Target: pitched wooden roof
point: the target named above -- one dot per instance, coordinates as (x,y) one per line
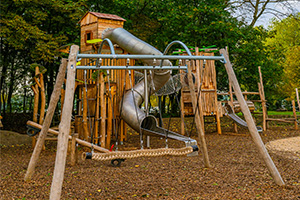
(104,16)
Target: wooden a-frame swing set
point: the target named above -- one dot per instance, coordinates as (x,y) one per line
(64,127)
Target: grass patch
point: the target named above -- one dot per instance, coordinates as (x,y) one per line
(280,112)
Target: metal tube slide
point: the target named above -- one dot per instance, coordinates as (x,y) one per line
(130,112)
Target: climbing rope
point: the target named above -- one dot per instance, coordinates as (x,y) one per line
(140,153)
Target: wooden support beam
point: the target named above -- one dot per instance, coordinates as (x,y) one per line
(84,115)
(297,96)
(228,93)
(182,114)
(250,122)
(73,149)
(62,98)
(263,100)
(103,112)
(199,71)
(287,120)
(79,141)
(36,103)
(50,112)
(295,115)
(64,127)
(43,99)
(200,129)
(37,80)
(235,128)
(50,139)
(182,128)
(122,132)
(97,117)
(109,118)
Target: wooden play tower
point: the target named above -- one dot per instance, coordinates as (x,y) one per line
(98,98)
(206,82)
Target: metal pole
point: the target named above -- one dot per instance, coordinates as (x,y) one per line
(145,57)
(133,67)
(146,92)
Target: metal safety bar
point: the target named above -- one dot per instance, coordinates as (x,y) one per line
(132,67)
(168,57)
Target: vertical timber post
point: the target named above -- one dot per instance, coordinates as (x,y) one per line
(200,129)
(263,100)
(73,149)
(251,125)
(36,90)
(235,128)
(295,114)
(103,112)
(64,127)
(297,95)
(52,105)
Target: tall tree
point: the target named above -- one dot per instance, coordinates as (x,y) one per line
(33,30)
(251,10)
(284,44)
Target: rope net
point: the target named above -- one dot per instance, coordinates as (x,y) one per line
(174,84)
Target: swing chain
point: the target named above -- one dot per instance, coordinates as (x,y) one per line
(99,63)
(92,148)
(179,62)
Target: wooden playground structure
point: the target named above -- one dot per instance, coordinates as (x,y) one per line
(99,93)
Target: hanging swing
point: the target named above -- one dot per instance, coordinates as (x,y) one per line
(117,157)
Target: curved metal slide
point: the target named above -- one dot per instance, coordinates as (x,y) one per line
(230,113)
(130,111)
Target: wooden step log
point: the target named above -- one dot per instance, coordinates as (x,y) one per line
(287,120)
(237,107)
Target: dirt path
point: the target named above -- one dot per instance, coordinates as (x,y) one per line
(287,145)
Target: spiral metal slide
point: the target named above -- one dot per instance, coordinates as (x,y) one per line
(130,111)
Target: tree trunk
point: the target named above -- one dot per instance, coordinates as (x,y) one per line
(10,89)
(2,80)
(3,100)
(24,97)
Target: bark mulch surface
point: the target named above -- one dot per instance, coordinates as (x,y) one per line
(237,171)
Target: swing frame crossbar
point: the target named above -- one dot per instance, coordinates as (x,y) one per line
(162,57)
(159,57)
(154,57)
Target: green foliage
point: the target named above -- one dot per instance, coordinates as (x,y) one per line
(250,54)
(40,27)
(197,23)
(284,45)
(34,32)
